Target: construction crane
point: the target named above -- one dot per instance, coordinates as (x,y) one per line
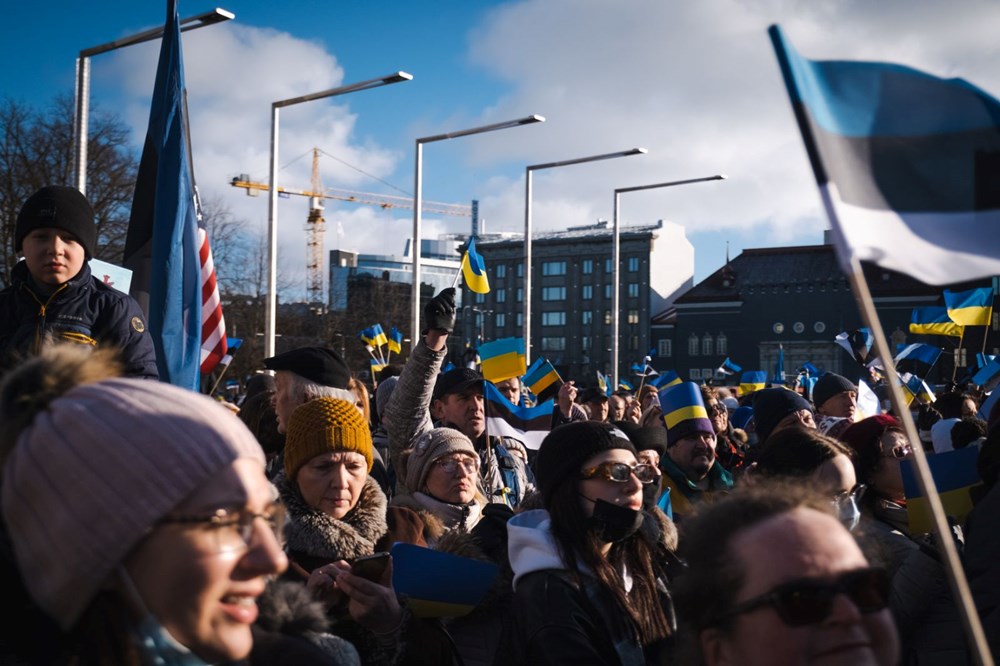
(316,225)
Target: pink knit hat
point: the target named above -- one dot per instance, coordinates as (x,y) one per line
(96,469)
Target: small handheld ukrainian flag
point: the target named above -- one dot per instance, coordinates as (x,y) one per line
(396,340)
(474,270)
(753,380)
(970,308)
(933,320)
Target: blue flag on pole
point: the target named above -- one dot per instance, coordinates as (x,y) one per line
(161,247)
(907,164)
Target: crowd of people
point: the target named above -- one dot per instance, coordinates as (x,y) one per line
(147,524)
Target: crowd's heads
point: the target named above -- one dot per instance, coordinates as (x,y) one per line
(650,441)
(806,454)
(774,408)
(567,447)
(93,462)
(58,207)
(880,444)
(457,381)
(511,389)
(458,401)
(325,425)
(427,449)
(830,388)
(596,401)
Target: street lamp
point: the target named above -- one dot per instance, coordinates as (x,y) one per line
(526,316)
(616,261)
(272,214)
(418,202)
(81,116)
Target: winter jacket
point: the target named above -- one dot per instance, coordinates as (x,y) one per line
(982,563)
(684,494)
(83,310)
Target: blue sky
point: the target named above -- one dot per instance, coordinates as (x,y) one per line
(694,82)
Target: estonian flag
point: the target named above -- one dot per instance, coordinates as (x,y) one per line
(858,344)
(753,380)
(970,308)
(988,376)
(529,425)
(729,368)
(502,359)
(933,320)
(917,359)
(908,164)
(474,270)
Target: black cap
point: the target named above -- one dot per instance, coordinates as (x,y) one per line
(456,380)
(592,393)
(830,385)
(645,437)
(58,207)
(317,364)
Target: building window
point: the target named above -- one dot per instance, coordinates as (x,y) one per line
(721,344)
(554,294)
(520,294)
(633,264)
(500,320)
(693,345)
(633,290)
(587,292)
(554,268)
(665,348)
(633,316)
(607,291)
(500,270)
(607,317)
(588,266)
(694,373)
(607,265)
(501,295)
(585,342)
(520,319)
(633,342)
(553,319)
(586,317)
(706,345)
(553,344)
(520,269)
(960,358)
(480,298)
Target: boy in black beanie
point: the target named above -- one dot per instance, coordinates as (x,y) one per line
(54,298)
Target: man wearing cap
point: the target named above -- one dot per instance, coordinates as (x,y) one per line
(778,408)
(836,399)
(454,399)
(54,298)
(690,471)
(596,403)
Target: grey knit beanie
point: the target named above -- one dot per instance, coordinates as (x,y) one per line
(430,446)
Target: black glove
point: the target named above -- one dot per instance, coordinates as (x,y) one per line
(927,416)
(439,313)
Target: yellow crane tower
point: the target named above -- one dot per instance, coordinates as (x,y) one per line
(315,224)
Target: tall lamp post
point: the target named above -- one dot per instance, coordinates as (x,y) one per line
(526,315)
(418,204)
(272,214)
(81,115)
(616,261)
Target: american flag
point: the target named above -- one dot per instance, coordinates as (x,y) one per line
(213,326)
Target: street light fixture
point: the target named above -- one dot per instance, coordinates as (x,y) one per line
(526,316)
(418,203)
(272,214)
(616,261)
(81,116)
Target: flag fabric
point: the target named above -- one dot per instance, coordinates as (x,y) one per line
(395,340)
(448,367)
(213,325)
(644,370)
(602,383)
(161,247)
(753,380)
(987,406)
(529,425)
(378,335)
(367,336)
(439,584)
(624,385)
(779,366)
(954,474)
(810,369)
(502,359)
(915,388)
(917,359)
(989,376)
(729,368)
(232,344)
(867,402)
(905,162)
(933,320)
(542,379)
(858,344)
(682,403)
(970,308)
(666,379)
(474,270)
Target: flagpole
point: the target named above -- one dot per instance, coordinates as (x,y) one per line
(942,531)
(216,384)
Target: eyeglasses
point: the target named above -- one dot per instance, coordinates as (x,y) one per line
(449,465)
(621,473)
(717,408)
(898,452)
(810,601)
(231,531)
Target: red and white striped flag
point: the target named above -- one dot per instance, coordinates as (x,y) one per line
(213,326)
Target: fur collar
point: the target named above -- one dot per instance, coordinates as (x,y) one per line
(316,534)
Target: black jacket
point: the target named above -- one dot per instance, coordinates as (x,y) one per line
(83,310)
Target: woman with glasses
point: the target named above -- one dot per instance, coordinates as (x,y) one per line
(921,601)
(587,588)
(139,517)
(775,578)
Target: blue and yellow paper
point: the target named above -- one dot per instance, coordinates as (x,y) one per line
(502,359)
(439,584)
(474,270)
(954,473)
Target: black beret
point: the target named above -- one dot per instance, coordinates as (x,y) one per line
(317,364)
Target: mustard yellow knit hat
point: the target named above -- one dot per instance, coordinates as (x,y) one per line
(323,425)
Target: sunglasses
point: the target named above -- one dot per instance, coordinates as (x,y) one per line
(899,452)
(855,493)
(717,408)
(621,473)
(810,601)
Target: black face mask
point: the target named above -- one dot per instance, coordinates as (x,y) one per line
(612,523)
(650,493)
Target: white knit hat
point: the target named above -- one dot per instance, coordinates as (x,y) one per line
(94,472)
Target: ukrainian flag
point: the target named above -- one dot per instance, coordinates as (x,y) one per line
(666,380)
(933,320)
(682,403)
(502,359)
(367,336)
(970,308)
(439,584)
(474,270)
(542,379)
(954,474)
(753,380)
(378,335)
(396,340)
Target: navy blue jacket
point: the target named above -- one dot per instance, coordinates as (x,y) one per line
(83,310)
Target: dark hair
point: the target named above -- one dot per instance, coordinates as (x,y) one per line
(709,393)
(950,404)
(708,588)
(966,431)
(258,414)
(581,551)
(798,452)
(391,370)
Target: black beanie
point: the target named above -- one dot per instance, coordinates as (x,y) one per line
(58,207)
(645,437)
(567,447)
(773,404)
(830,385)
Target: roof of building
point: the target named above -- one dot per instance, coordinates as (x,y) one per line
(600,231)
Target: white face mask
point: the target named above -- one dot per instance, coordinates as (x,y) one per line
(848,511)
